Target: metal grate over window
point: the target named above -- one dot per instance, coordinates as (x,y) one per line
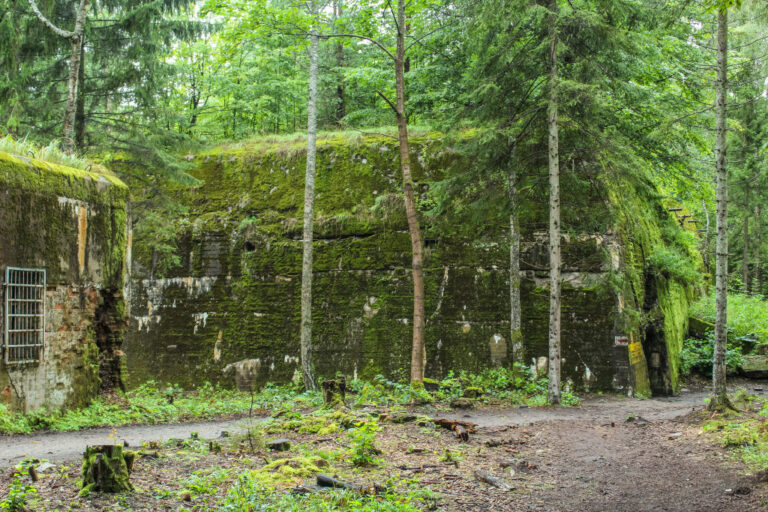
(24,336)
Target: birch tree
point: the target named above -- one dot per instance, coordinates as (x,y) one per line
(75,36)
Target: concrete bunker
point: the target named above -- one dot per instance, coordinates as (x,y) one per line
(63,239)
(233,298)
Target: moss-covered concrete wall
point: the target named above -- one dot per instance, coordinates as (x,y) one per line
(72,223)
(230,310)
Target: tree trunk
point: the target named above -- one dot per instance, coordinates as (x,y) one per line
(515,332)
(307,367)
(76,39)
(554,217)
(418,351)
(107,468)
(746,284)
(757,246)
(719,396)
(706,248)
(68,140)
(80,111)
(341,107)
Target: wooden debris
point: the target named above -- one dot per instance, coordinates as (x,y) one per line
(398,418)
(492,480)
(460,428)
(329,481)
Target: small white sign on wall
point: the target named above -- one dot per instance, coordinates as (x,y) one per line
(621,341)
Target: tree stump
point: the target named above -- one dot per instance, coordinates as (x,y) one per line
(107,468)
(334,392)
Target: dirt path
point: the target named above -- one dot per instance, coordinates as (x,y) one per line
(598,409)
(69,446)
(587,458)
(598,461)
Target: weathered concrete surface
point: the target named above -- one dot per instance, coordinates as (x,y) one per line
(233,300)
(73,224)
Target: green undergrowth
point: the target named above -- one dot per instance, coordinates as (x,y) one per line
(744,431)
(250,494)
(510,386)
(22,495)
(150,404)
(747,315)
(697,356)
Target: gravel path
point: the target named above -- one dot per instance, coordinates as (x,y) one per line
(69,446)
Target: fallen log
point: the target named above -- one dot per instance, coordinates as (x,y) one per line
(329,481)
(492,480)
(398,418)
(451,424)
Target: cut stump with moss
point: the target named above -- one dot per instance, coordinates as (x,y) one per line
(335,392)
(107,468)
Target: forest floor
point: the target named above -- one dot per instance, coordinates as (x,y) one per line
(610,453)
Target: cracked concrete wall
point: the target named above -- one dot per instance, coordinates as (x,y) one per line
(72,223)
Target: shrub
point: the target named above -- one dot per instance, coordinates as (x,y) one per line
(747,315)
(697,356)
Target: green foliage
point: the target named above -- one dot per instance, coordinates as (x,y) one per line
(150,404)
(249,494)
(669,262)
(362,447)
(515,386)
(50,153)
(697,356)
(747,315)
(745,431)
(22,495)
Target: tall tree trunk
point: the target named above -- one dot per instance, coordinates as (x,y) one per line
(418,349)
(76,39)
(80,111)
(307,367)
(515,332)
(705,256)
(719,396)
(341,94)
(757,245)
(68,141)
(746,282)
(554,216)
